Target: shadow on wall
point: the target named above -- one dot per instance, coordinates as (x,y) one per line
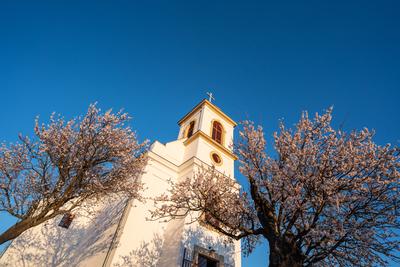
(83,244)
(196,235)
(147,255)
(155,254)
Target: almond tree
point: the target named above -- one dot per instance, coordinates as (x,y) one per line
(67,163)
(325,198)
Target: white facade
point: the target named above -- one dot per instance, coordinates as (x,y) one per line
(119,233)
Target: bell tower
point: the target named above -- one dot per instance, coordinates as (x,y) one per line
(207,134)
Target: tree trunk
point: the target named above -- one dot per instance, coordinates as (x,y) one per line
(17,229)
(284,254)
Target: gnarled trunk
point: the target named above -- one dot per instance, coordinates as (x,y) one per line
(21,226)
(15,230)
(285,254)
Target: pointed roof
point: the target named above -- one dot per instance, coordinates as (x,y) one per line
(213,107)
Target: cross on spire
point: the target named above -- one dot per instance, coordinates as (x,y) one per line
(210,96)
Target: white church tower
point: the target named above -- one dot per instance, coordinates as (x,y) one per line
(118,233)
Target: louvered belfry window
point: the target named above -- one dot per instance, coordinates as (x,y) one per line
(191,129)
(217,132)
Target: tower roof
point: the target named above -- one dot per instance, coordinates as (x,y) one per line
(213,107)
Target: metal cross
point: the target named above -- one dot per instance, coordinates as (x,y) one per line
(210,97)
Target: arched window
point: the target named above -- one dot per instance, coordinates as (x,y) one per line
(217,132)
(190,129)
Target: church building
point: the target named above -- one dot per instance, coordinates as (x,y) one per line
(118,232)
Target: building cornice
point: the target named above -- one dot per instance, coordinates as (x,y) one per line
(200,134)
(213,107)
(183,166)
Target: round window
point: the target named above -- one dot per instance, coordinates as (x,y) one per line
(216,158)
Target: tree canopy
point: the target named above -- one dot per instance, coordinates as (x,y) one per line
(325,197)
(67,163)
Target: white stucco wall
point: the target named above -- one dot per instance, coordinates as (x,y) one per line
(204,149)
(85,243)
(141,240)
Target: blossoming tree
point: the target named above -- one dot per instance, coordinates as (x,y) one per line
(327,198)
(66,164)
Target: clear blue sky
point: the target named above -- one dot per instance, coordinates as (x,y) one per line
(263,61)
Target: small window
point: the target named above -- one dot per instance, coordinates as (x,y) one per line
(190,129)
(205,261)
(217,132)
(66,220)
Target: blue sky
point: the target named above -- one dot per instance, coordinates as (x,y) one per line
(156,59)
